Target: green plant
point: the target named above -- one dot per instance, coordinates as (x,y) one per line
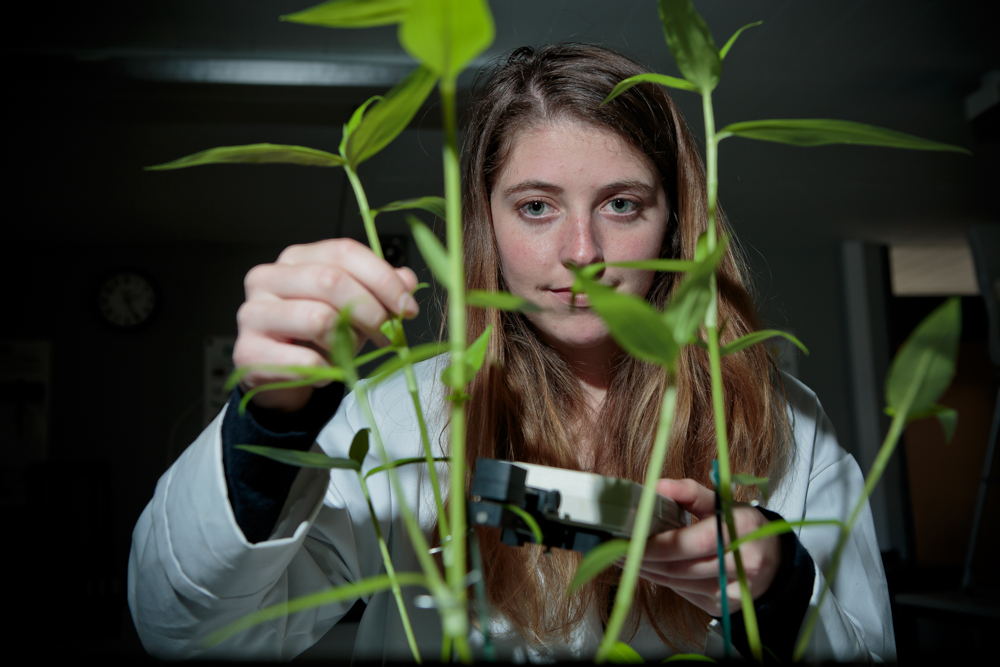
(444,36)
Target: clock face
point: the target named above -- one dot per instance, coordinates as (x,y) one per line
(127,300)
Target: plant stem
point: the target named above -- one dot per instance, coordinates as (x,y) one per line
(456,337)
(391,572)
(640,531)
(725,489)
(366,213)
(411,385)
(435,584)
(403,351)
(711,166)
(874,475)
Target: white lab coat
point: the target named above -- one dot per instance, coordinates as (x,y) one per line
(191,571)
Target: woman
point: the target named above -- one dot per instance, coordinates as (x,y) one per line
(552,177)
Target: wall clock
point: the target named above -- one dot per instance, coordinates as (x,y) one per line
(127,299)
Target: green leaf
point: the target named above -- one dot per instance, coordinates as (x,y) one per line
(623,654)
(500,301)
(823,131)
(350,591)
(373,355)
(536,530)
(597,560)
(778,528)
(417,354)
(354,121)
(475,354)
(725,49)
(664,265)
(433,205)
(390,116)
(432,251)
(446,35)
(662,79)
(255,154)
(294,457)
(947,416)
(359,447)
(691,44)
(392,329)
(317,373)
(933,345)
(743,342)
(352,13)
(342,347)
(406,462)
(688,657)
(633,323)
(685,312)
(749,480)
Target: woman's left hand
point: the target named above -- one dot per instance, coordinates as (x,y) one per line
(686,560)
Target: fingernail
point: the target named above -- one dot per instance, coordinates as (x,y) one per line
(407,306)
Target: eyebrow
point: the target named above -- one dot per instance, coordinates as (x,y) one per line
(524,186)
(638,186)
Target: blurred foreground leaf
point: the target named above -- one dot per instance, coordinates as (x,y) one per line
(823,131)
(597,560)
(352,13)
(500,301)
(431,250)
(389,116)
(433,205)
(691,44)
(255,154)
(934,345)
(350,591)
(446,35)
(623,654)
(302,459)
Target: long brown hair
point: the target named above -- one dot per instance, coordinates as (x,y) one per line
(527,405)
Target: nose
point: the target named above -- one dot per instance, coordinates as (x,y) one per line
(581,244)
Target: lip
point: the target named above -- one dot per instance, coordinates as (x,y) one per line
(565,296)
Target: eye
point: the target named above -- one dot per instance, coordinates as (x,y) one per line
(535,209)
(622,206)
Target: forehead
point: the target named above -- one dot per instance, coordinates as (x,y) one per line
(576,152)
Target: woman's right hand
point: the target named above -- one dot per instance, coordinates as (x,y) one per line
(292,306)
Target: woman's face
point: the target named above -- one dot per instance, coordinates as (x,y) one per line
(572,192)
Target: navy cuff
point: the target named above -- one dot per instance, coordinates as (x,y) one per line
(258,486)
(782,608)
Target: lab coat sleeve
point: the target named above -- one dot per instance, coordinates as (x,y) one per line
(192,571)
(855,620)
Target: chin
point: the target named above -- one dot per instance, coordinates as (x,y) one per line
(576,333)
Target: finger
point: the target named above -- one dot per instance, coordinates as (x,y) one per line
(391,287)
(699,568)
(682,544)
(689,494)
(310,286)
(705,587)
(256,350)
(308,320)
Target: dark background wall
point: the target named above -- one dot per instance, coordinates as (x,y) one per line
(89,116)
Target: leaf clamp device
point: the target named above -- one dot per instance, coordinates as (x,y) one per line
(571,509)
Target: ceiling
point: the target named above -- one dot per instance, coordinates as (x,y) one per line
(153,80)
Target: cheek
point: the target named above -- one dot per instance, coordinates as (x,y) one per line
(520,256)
